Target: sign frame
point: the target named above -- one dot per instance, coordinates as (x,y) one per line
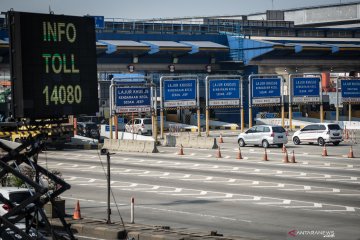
(56,59)
(303,99)
(133,108)
(213,101)
(263,101)
(163,107)
(273,102)
(230,103)
(170,101)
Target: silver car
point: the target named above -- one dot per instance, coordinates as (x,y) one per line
(264,135)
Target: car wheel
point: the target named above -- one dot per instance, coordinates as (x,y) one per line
(321,142)
(336,143)
(296,140)
(241,142)
(139,132)
(265,144)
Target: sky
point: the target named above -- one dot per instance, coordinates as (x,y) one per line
(148,9)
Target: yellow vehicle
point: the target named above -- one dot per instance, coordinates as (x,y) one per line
(56,134)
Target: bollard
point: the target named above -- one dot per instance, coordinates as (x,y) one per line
(132,210)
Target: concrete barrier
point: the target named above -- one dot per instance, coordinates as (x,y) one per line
(188,140)
(130,145)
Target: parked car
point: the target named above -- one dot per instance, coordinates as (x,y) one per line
(264,135)
(139,126)
(319,133)
(88,129)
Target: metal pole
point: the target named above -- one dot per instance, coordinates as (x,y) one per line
(282,103)
(111,107)
(207,122)
(116,126)
(108,188)
(207,106)
(337,99)
(241,106)
(250,110)
(198,122)
(161,109)
(290,101)
(155,119)
(350,107)
(132,211)
(162,123)
(321,102)
(198,106)
(110,125)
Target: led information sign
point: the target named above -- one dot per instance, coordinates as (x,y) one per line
(306,89)
(133,99)
(53,65)
(179,93)
(350,90)
(224,92)
(266,90)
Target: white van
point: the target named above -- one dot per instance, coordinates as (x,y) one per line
(319,133)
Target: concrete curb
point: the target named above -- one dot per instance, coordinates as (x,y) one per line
(99,228)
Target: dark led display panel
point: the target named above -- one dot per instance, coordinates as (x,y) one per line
(53,65)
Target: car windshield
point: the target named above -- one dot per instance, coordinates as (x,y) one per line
(278,129)
(18,197)
(334,127)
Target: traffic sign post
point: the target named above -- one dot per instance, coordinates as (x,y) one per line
(224,91)
(179,92)
(129,95)
(265,90)
(350,93)
(305,89)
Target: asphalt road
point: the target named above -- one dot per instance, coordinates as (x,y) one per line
(314,198)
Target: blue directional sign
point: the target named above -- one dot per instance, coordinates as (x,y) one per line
(306,89)
(266,90)
(224,92)
(350,90)
(179,93)
(99,22)
(133,99)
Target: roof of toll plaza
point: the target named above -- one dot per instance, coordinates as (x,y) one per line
(228,43)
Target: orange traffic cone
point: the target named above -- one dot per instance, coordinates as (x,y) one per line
(286,157)
(324,152)
(293,157)
(351,153)
(218,153)
(239,156)
(265,156)
(221,139)
(284,148)
(77,214)
(181,150)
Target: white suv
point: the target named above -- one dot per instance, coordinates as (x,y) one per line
(319,133)
(139,126)
(264,135)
